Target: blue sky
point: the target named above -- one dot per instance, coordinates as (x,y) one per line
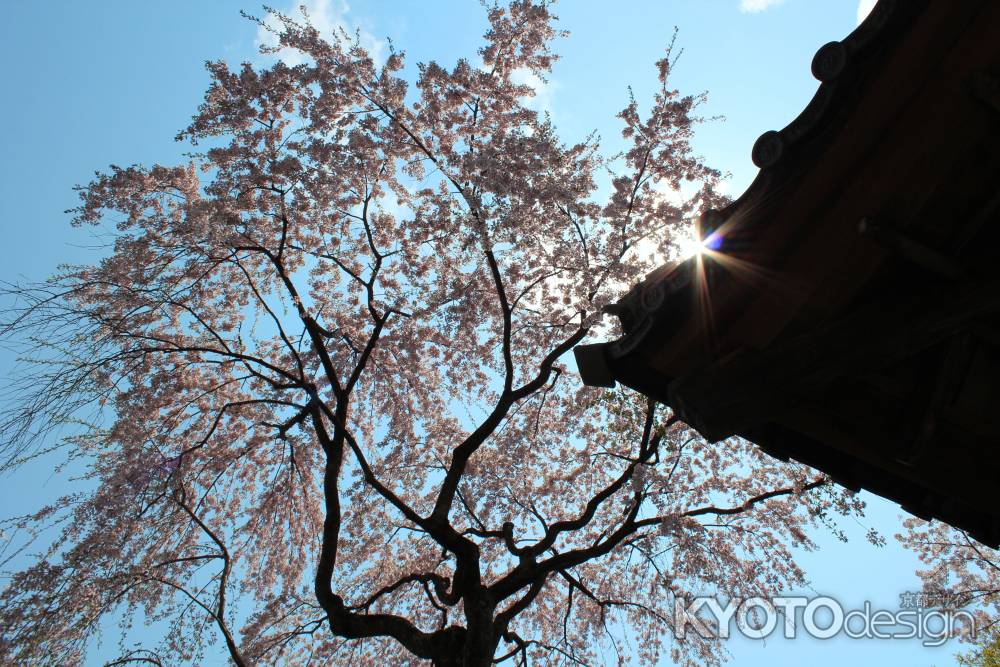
(89,84)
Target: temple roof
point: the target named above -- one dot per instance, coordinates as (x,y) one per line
(846,310)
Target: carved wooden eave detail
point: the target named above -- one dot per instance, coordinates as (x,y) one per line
(849,317)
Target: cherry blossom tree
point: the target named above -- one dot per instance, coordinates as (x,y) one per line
(319,389)
(960,573)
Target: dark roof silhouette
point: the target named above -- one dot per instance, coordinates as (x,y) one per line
(846,310)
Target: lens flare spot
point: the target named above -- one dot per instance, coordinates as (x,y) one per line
(692,246)
(713,241)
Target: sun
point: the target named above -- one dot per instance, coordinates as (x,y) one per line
(689,245)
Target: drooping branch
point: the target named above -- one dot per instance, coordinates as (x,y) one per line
(219,613)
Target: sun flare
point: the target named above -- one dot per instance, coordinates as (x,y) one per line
(690,245)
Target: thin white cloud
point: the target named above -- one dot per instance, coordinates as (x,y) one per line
(754,6)
(544,90)
(864,9)
(329,17)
